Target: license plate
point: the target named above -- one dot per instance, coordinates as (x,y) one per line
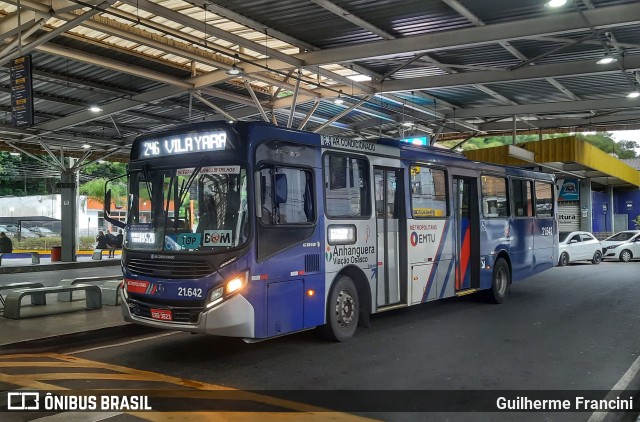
(161,314)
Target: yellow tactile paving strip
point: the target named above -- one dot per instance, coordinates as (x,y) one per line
(176,387)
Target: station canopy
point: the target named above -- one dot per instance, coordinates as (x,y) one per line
(105,72)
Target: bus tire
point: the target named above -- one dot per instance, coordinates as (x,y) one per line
(501,281)
(564,260)
(343,309)
(626,255)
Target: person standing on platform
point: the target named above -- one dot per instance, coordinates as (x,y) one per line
(119,239)
(102,240)
(6,246)
(111,244)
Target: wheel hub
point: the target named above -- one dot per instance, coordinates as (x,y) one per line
(345,308)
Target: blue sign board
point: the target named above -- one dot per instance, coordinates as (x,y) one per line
(570,190)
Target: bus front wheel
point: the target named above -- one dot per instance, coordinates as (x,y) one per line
(501,283)
(343,309)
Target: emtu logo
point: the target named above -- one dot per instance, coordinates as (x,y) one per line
(21,401)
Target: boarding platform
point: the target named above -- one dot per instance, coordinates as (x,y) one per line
(36,315)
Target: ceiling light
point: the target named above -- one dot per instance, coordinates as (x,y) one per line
(607,59)
(339,100)
(234,70)
(407,124)
(634,94)
(95,109)
(86,146)
(360,78)
(556,3)
(15,154)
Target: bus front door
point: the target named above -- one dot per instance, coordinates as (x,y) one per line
(467,221)
(388,192)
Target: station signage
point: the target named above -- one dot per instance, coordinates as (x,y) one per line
(21,82)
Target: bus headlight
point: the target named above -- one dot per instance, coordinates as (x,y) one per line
(236,283)
(215,297)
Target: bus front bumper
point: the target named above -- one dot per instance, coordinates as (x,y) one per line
(234,317)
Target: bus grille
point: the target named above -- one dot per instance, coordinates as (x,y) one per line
(184,315)
(311,263)
(168,268)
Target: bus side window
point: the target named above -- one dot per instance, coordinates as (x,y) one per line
(495,201)
(287,196)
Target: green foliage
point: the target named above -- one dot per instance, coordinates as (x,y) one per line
(602,141)
(45,243)
(637,222)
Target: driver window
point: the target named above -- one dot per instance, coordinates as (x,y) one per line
(576,238)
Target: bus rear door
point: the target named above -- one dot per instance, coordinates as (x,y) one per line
(467,230)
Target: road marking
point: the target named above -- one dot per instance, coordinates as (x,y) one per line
(78,417)
(622,384)
(190,389)
(124,343)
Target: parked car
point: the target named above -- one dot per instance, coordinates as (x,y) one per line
(578,246)
(24,232)
(43,232)
(623,246)
(6,231)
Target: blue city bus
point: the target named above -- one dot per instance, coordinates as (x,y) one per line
(251,230)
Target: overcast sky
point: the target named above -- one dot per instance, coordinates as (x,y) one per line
(627,135)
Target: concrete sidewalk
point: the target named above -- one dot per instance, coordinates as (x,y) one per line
(49,332)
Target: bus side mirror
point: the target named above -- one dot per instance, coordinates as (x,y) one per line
(107,202)
(107,207)
(281,188)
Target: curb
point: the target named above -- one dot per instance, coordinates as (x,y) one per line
(56,267)
(82,338)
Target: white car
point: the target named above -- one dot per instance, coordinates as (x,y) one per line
(623,246)
(577,246)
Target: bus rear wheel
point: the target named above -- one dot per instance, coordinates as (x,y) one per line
(343,309)
(501,282)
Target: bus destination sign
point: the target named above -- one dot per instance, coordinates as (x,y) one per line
(184,144)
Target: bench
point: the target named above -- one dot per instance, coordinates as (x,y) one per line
(111,292)
(14,298)
(35,300)
(67,296)
(35,257)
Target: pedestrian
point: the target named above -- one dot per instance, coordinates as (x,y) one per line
(6,246)
(111,244)
(102,241)
(119,239)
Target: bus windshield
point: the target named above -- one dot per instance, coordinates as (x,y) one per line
(188,209)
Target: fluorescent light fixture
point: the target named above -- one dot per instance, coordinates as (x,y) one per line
(607,60)
(339,100)
(521,154)
(634,94)
(556,3)
(15,154)
(360,78)
(86,146)
(234,70)
(407,124)
(95,109)
(341,234)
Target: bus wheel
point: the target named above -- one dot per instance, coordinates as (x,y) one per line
(501,282)
(343,309)
(564,260)
(625,256)
(597,257)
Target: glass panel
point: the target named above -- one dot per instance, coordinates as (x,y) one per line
(378,176)
(428,192)
(544,199)
(392,211)
(188,209)
(298,208)
(347,187)
(522,198)
(494,197)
